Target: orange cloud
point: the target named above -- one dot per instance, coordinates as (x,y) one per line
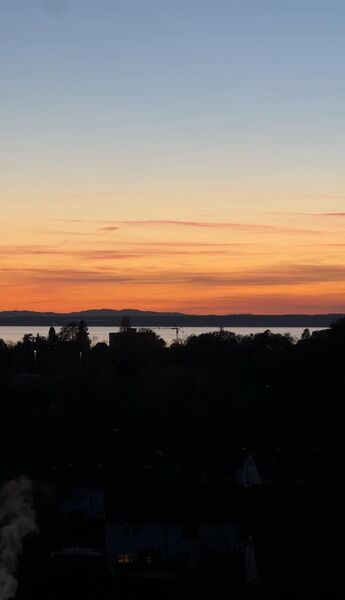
(175,264)
(241,227)
(280,275)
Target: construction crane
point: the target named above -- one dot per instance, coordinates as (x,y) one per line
(178,330)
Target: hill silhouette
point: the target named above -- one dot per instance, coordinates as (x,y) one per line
(139,318)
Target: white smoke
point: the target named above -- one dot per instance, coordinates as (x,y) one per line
(17,519)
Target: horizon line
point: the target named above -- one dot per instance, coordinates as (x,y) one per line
(172,312)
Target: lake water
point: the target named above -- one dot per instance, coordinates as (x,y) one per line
(101,334)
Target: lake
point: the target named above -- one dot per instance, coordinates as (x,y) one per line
(101,334)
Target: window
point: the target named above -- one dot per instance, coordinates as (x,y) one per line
(125,559)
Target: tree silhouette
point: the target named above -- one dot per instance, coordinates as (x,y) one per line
(52,336)
(28,339)
(305,335)
(83,337)
(125,324)
(69,332)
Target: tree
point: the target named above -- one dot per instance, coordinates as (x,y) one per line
(83,337)
(305,335)
(28,339)
(69,332)
(125,324)
(337,328)
(52,336)
(77,333)
(39,339)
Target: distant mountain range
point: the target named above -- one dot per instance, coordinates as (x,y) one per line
(109,317)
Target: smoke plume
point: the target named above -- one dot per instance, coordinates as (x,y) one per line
(17,519)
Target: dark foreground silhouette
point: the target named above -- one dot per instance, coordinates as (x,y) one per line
(180,471)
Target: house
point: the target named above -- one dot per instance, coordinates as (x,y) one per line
(165,531)
(167,548)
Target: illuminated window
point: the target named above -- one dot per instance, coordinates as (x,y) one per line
(125,559)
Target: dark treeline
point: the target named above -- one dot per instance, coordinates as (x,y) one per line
(265,386)
(154,425)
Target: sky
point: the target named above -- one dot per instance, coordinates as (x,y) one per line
(182,155)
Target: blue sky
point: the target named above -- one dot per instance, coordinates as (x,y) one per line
(156,109)
(180,76)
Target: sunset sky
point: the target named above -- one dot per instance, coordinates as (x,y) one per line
(182,155)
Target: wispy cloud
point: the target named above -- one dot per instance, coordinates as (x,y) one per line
(128,251)
(255,228)
(172,244)
(221,225)
(278,275)
(66,232)
(331,214)
(307,214)
(30,251)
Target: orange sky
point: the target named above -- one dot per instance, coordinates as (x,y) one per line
(241,262)
(183,156)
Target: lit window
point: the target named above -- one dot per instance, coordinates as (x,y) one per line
(125,559)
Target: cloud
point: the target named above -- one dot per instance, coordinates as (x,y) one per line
(277,275)
(29,250)
(138,251)
(171,244)
(332,245)
(254,228)
(307,214)
(265,303)
(145,253)
(331,214)
(66,232)
(221,225)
